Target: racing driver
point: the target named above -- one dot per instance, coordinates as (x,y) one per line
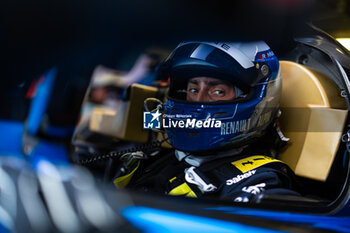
(239,86)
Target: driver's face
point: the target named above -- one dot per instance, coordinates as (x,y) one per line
(209,90)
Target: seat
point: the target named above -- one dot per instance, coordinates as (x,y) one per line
(313,117)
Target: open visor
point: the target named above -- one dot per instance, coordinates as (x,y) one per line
(205,60)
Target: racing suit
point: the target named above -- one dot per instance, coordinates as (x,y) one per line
(239,178)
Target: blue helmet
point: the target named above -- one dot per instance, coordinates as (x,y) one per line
(252,68)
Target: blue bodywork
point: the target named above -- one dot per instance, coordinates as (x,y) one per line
(155,220)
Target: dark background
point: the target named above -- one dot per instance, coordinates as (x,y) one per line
(77,35)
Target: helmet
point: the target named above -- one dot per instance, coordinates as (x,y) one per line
(251,67)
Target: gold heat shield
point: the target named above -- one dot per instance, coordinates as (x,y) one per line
(313,117)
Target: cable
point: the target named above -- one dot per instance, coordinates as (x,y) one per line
(118,154)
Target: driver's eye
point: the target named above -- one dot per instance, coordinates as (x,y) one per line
(193,90)
(218,92)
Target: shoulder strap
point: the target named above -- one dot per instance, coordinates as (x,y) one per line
(253,162)
(244,165)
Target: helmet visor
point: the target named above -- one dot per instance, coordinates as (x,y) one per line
(203,60)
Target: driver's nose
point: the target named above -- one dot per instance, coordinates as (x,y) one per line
(202,96)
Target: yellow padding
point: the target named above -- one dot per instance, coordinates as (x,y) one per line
(123,181)
(253,162)
(313,117)
(183,189)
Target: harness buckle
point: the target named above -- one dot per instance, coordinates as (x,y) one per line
(192,177)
